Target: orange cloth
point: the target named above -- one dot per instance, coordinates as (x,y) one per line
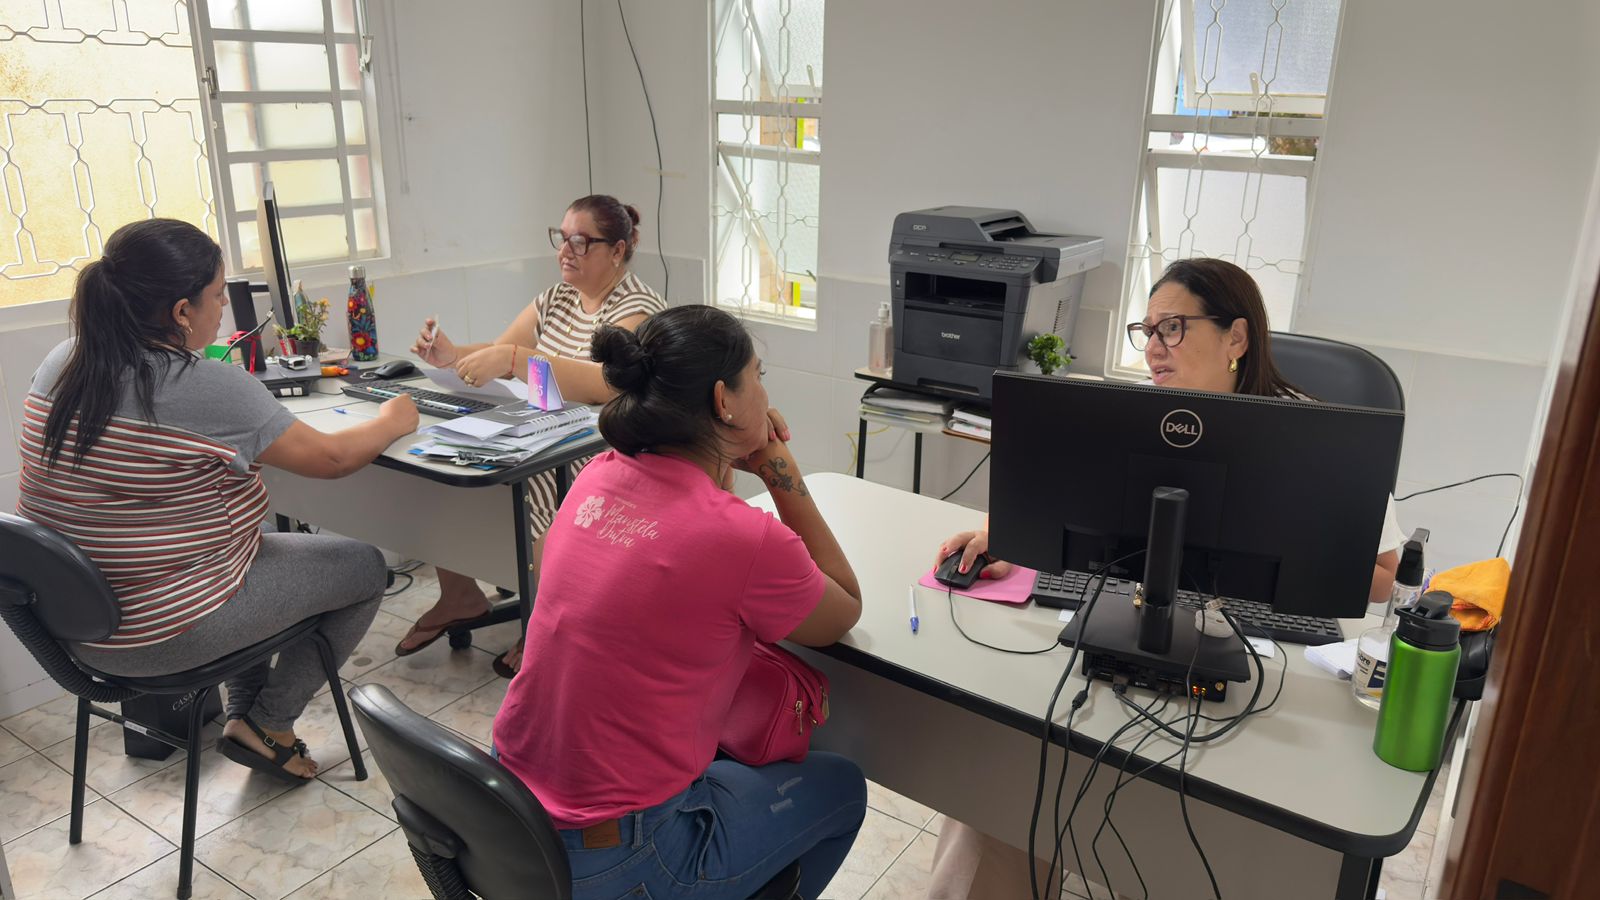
(1480,592)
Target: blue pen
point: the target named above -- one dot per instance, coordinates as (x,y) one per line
(345,412)
(912,593)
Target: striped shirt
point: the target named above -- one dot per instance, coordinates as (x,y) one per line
(565,330)
(171,510)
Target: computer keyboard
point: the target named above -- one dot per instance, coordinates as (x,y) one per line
(434,403)
(1068,591)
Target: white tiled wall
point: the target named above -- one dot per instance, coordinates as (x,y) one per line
(22,347)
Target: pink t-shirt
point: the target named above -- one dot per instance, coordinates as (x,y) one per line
(654,586)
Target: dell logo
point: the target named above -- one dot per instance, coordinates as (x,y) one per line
(950,335)
(1181,428)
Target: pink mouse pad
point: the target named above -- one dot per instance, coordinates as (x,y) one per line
(1014,588)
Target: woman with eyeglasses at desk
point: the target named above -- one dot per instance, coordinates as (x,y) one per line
(1204,329)
(148,458)
(594,243)
(657,582)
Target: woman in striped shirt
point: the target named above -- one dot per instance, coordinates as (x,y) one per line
(148,458)
(594,243)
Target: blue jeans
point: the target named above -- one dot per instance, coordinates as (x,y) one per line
(729,833)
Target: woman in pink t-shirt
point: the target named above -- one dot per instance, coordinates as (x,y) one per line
(655,584)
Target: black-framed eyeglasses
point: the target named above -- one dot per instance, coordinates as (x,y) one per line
(1168,331)
(580,243)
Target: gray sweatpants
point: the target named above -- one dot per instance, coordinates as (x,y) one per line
(294,577)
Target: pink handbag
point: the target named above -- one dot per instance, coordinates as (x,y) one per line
(777,704)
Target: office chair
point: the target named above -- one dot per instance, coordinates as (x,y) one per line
(1337,372)
(52,594)
(474,827)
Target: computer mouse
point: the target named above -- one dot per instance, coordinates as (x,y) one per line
(398,368)
(949,571)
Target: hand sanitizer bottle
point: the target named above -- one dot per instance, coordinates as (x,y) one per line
(880,341)
(1372,651)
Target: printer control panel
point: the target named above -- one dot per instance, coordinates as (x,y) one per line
(990,262)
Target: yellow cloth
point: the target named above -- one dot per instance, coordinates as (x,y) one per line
(1480,592)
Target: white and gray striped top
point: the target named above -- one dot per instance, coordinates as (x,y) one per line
(565,330)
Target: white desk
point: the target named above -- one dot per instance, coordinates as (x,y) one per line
(452,516)
(1291,803)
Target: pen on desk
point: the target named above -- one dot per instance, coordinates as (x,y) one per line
(911,592)
(345,412)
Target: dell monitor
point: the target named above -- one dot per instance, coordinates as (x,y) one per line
(1285,498)
(273,260)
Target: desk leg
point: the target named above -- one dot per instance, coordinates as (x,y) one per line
(916,465)
(861,449)
(1358,877)
(519,526)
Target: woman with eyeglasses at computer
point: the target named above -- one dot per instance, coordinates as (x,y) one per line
(655,586)
(148,458)
(1204,329)
(595,242)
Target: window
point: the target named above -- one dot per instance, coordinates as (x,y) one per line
(102,122)
(766,156)
(288,84)
(1236,114)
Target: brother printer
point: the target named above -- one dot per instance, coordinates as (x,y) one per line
(972,286)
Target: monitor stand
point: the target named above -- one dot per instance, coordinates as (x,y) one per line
(1139,640)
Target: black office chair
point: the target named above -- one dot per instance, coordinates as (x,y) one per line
(474,827)
(51,593)
(1337,372)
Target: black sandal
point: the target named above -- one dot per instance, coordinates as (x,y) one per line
(249,758)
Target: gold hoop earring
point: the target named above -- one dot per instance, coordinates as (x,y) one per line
(1233,365)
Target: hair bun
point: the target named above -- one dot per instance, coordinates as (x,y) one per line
(624,363)
(632,212)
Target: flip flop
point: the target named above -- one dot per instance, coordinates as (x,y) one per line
(400,649)
(250,759)
(501,668)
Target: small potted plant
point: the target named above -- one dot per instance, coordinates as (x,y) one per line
(1045,351)
(304,338)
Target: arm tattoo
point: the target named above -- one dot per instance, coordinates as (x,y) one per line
(775,473)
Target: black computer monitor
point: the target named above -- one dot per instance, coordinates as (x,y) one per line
(1286,497)
(273,260)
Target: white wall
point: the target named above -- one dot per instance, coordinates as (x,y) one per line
(1443,248)
(485,124)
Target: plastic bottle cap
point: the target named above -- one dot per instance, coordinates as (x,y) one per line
(1410,570)
(1428,624)
(358,272)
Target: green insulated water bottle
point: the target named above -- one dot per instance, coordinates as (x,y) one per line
(1423,655)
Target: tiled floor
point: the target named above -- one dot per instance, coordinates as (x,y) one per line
(336,837)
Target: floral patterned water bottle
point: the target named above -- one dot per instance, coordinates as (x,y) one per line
(363,327)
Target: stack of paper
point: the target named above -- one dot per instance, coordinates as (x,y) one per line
(504,436)
(972,423)
(904,408)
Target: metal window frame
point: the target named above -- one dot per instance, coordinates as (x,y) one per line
(1241,101)
(725,156)
(221,158)
(1282,120)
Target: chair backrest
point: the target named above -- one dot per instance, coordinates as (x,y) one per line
(69,596)
(454,800)
(1337,372)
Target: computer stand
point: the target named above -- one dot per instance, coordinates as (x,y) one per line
(1140,642)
